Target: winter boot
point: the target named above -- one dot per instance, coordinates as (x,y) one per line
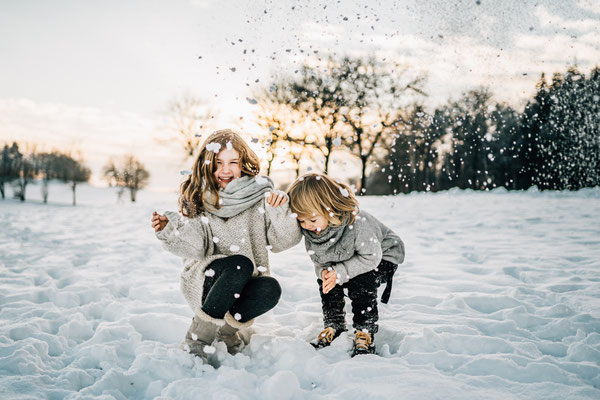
(229,334)
(201,334)
(363,343)
(327,336)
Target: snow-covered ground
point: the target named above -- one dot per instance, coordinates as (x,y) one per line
(499,298)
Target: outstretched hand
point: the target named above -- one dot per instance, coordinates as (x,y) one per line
(159,221)
(329,279)
(276,199)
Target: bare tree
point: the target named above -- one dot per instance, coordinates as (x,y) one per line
(48,167)
(127,173)
(287,128)
(187,117)
(356,104)
(377,95)
(112,174)
(26,170)
(314,97)
(136,176)
(72,171)
(78,174)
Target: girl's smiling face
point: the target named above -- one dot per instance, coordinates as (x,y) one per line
(228,167)
(315,223)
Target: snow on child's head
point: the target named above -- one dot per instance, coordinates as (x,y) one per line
(223,157)
(317,199)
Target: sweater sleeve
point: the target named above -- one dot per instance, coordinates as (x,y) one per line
(283,230)
(185,237)
(367,256)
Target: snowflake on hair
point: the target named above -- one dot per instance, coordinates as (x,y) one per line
(214,147)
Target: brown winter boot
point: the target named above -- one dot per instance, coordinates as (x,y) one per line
(201,334)
(229,333)
(363,344)
(326,337)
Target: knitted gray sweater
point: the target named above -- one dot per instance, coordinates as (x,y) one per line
(354,249)
(202,239)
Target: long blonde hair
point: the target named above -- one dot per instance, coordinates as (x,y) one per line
(316,194)
(194,188)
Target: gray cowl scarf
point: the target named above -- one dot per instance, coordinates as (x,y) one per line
(332,245)
(239,195)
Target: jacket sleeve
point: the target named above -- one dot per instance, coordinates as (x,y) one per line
(283,230)
(367,256)
(186,237)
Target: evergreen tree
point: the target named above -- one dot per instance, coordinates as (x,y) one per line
(568,129)
(8,166)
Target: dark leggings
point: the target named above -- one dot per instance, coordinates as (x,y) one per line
(233,276)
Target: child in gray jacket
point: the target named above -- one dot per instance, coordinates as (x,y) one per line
(351,250)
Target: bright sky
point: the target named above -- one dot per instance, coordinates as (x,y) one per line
(97,75)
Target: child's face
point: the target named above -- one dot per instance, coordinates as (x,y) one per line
(315,223)
(228,167)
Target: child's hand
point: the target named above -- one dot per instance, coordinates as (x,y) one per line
(276,199)
(159,221)
(329,280)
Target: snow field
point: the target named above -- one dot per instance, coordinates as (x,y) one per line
(498,298)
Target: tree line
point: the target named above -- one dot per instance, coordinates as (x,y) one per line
(20,168)
(374,111)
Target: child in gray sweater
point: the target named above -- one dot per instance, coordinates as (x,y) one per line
(230,217)
(351,250)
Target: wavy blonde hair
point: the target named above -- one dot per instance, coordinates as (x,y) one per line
(316,194)
(195,187)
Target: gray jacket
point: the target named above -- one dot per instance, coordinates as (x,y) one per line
(354,249)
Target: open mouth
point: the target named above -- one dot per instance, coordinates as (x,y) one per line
(225,180)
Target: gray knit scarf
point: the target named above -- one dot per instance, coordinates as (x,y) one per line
(333,244)
(239,195)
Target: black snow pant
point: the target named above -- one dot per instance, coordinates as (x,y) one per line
(362,291)
(233,288)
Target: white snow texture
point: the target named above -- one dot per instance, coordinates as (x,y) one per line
(499,298)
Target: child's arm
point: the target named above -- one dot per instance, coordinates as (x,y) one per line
(185,237)
(367,256)
(283,230)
